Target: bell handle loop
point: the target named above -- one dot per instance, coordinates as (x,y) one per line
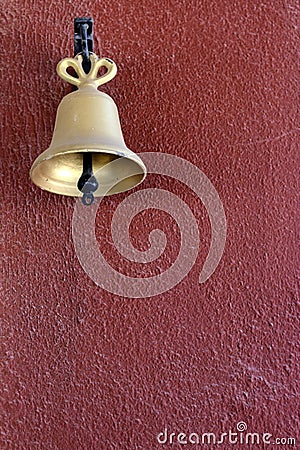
(91,77)
(62,67)
(109,75)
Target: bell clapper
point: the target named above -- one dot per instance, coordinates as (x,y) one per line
(88,199)
(87,182)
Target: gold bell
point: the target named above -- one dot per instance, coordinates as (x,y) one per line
(87,137)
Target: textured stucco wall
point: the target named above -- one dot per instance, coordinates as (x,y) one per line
(213,82)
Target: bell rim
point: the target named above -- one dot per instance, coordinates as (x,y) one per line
(78,149)
(121,153)
(95,194)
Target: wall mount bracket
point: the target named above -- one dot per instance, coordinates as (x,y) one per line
(83,39)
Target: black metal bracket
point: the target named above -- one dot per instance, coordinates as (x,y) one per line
(83,40)
(84,44)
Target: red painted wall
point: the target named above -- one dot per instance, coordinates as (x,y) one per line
(213,82)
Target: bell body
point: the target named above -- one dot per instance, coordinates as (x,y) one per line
(87,120)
